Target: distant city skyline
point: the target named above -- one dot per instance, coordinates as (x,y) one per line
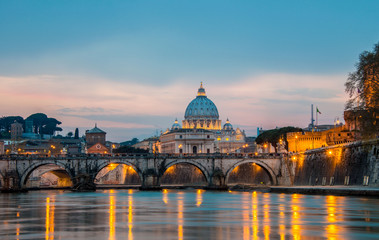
(133,67)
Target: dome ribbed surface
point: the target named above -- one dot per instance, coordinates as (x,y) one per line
(201,108)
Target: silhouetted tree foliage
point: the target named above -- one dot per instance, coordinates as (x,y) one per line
(362,86)
(274,135)
(130,142)
(76,136)
(5,125)
(129,149)
(70,134)
(44,125)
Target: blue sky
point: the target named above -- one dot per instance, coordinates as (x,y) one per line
(133,66)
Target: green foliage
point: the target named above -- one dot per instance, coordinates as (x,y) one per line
(129,149)
(274,135)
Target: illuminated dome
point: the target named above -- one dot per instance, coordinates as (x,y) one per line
(201,107)
(228,125)
(176,125)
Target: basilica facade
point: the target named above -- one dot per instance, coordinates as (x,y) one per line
(201,131)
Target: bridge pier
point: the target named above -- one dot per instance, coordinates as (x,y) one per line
(11,182)
(217,181)
(150,180)
(84,183)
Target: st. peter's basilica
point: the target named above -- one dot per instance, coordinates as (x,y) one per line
(201,131)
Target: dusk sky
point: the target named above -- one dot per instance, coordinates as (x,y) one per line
(132,67)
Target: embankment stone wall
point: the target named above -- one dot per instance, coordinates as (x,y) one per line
(346,164)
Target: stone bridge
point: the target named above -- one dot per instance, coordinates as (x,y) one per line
(15,169)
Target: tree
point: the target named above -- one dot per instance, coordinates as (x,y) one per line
(6,122)
(362,86)
(130,142)
(129,149)
(38,121)
(76,133)
(273,136)
(44,125)
(70,134)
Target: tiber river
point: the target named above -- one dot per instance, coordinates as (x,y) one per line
(188,214)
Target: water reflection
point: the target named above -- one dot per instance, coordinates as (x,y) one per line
(18,225)
(112,215)
(282,217)
(255,215)
(49,220)
(195,214)
(296,221)
(245,217)
(180,216)
(199,197)
(164,196)
(266,215)
(130,215)
(332,229)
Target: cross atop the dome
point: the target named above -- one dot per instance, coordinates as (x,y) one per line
(201,91)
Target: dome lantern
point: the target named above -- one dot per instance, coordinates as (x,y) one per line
(201,91)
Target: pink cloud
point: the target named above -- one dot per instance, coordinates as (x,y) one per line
(268,100)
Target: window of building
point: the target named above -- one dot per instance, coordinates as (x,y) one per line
(208,150)
(207,136)
(181,136)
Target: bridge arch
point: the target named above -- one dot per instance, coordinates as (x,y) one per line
(203,170)
(25,175)
(260,163)
(125,162)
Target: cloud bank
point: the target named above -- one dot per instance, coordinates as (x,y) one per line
(131,109)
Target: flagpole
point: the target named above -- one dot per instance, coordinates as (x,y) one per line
(316,116)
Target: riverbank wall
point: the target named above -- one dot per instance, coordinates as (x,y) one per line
(350,164)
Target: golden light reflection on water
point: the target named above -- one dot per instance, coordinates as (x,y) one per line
(180,216)
(49,220)
(112,215)
(165,197)
(282,217)
(296,221)
(332,229)
(18,227)
(266,216)
(199,197)
(255,222)
(245,217)
(130,216)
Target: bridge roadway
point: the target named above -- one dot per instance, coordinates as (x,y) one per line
(83,168)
